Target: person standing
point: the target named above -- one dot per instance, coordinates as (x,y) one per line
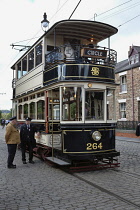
(27,133)
(3,123)
(138,130)
(12,138)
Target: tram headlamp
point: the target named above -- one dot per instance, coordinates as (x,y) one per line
(44,22)
(96,135)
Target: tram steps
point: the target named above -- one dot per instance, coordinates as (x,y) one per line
(57,161)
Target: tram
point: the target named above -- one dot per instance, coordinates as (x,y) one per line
(66,83)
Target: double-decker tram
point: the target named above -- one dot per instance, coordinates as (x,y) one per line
(65,82)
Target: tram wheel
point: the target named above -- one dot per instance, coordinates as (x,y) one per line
(45,153)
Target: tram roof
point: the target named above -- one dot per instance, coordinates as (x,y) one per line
(83,29)
(75,29)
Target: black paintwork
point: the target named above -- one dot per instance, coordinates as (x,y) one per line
(77,138)
(76,72)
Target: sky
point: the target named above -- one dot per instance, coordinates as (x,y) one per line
(20,22)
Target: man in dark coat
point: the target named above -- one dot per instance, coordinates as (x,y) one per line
(138,130)
(27,133)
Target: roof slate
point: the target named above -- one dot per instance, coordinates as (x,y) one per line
(124,65)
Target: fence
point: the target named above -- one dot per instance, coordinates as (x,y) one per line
(127,125)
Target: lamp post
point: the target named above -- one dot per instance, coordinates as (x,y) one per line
(44,22)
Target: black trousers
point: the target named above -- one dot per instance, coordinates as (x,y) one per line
(27,145)
(11,153)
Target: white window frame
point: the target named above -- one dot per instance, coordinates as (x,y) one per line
(123,82)
(122,101)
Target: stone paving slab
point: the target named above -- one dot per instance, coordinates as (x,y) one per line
(41,187)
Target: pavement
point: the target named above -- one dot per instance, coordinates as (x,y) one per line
(42,187)
(127,139)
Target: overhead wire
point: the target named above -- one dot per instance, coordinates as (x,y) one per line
(112,9)
(26,40)
(59,9)
(34,37)
(128,21)
(123,10)
(50,19)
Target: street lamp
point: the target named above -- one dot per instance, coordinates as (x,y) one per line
(44,22)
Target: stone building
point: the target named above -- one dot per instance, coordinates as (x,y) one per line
(127,74)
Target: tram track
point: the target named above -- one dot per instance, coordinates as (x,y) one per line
(128,173)
(102,189)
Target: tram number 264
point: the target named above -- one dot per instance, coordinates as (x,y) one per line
(94,146)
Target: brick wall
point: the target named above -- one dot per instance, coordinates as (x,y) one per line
(133,91)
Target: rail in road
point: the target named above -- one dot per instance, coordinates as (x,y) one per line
(40,186)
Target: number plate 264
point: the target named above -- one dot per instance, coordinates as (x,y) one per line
(94,146)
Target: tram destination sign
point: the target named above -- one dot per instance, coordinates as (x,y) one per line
(94,53)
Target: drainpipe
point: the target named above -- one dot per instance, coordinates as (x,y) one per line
(133,98)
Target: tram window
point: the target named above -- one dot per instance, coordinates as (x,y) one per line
(110,98)
(38,54)
(24,65)
(19,70)
(20,112)
(40,110)
(40,94)
(56,111)
(72,103)
(50,48)
(94,105)
(32,96)
(31,60)
(32,110)
(25,108)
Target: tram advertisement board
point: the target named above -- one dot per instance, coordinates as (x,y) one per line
(78,72)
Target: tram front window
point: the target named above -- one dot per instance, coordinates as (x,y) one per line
(72,103)
(94,105)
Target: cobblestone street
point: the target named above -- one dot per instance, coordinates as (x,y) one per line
(42,187)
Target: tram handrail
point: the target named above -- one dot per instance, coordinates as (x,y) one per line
(58,55)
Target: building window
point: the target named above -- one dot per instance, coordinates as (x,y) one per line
(123,83)
(122,107)
(31,60)
(38,54)
(24,65)
(134,59)
(19,70)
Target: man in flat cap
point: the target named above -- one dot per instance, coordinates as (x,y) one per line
(27,133)
(12,138)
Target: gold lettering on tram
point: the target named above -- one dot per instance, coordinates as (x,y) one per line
(95,71)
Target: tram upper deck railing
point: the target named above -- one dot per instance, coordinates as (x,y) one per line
(82,54)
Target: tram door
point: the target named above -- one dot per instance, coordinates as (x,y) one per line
(53,117)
